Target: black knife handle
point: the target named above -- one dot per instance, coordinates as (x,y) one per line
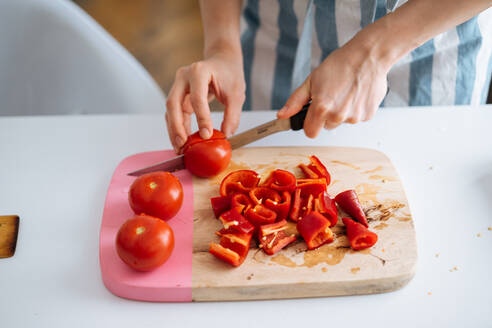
(297,121)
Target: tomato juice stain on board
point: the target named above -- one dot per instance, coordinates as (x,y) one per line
(367,192)
(380,226)
(378,168)
(355,270)
(355,167)
(382,178)
(283,260)
(328,254)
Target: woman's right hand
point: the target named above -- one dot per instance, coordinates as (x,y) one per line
(220,75)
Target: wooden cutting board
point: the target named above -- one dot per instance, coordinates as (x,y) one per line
(193,273)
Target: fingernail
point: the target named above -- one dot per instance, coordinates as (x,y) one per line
(205,133)
(282,110)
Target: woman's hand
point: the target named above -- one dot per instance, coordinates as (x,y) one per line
(220,75)
(347,87)
(350,83)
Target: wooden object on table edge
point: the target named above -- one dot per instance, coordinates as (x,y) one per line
(9,228)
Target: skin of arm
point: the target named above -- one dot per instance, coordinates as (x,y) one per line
(350,83)
(219,74)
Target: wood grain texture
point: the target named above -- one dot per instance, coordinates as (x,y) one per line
(9,228)
(333,269)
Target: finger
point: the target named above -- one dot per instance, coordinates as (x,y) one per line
(315,117)
(369,111)
(372,104)
(187,123)
(176,130)
(335,117)
(199,82)
(232,114)
(355,114)
(166,116)
(296,101)
(187,108)
(338,114)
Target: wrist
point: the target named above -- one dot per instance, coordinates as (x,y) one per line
(384,42)
(223,46)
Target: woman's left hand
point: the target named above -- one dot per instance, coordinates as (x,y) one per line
(347,87)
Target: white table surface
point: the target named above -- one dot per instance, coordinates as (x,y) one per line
(54,172)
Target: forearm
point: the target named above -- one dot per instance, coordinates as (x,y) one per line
(396,34)
(221,26)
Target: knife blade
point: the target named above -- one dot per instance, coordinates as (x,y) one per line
(294,123)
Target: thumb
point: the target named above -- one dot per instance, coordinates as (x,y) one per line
(296,101)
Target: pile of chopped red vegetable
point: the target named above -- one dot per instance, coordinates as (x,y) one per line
(249,209)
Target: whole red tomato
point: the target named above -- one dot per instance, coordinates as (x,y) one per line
(144,242)
(158,194)
(207,157)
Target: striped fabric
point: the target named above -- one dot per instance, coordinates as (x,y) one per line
(454,68)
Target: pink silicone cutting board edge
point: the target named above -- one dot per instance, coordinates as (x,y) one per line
(172,281)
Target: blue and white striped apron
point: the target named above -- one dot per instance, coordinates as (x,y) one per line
(453,68)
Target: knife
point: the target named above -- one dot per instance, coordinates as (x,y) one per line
(294,123)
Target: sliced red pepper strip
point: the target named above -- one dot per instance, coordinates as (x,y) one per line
(307,171)
(260,194)
(233,221)
(225,254)
(238,243)
(280,180)
(358,235)
(273,237)
(315,229)
(239,181)
(319,168)
(315,169)
(220,204)
(282,208)
(240,202)
(325,205)
(349,202)
(312,186)
(302,205)
(260,215)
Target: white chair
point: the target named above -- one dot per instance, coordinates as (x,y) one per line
(55,59)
